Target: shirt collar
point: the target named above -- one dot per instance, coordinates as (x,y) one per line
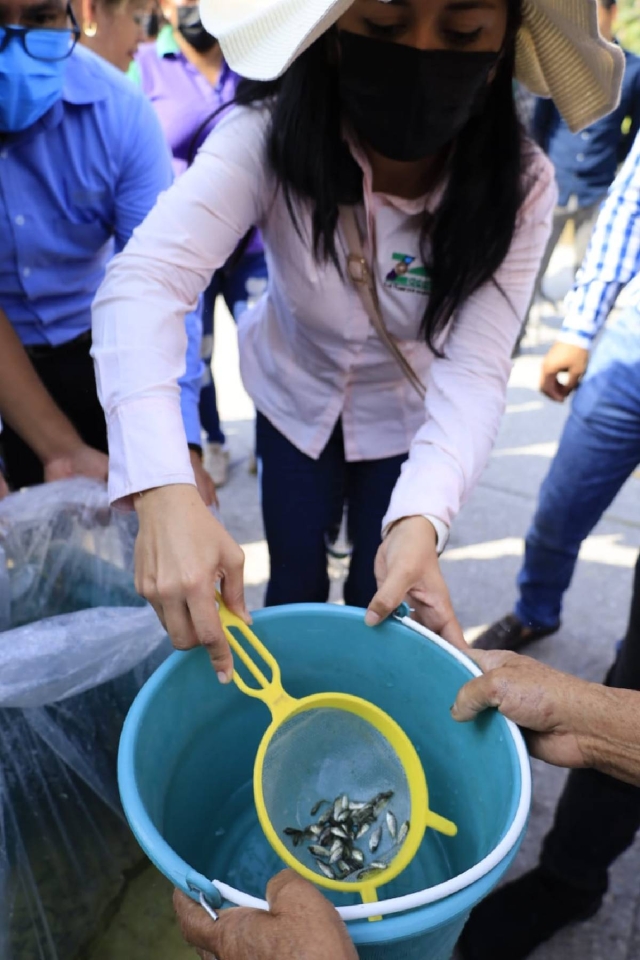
(166,43)
(167,46)
(428,203)
(84,81)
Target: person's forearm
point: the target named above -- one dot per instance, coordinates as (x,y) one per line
(610,736)
(25,403)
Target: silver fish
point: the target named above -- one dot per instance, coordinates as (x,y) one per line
(343,816)
(318,851)
(403,832)
(314,830)
(325,817)
(336,854)
(319,804)
(340,804)
(362,830)
(374,839)
(357,805)
(378,865)
(381,802)
(326,870)
(296,835)
(344,868)
(324,836)
(392,825)
(357,856)
(340,832)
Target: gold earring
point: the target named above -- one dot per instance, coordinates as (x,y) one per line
(90,29)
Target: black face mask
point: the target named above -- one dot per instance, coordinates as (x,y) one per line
(407,103)
(191,28)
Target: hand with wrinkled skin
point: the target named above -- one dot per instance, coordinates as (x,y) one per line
(563,358)
(407,568)
(301,925)
(568,722)
(181,552)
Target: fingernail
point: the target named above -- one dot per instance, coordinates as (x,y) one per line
(223,677)
(371,619)
(247,617)
(454,711)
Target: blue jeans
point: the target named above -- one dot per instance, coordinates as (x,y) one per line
(599,449)
(240,288)
(302,503)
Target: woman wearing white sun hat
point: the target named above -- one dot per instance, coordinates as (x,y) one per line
(404,217)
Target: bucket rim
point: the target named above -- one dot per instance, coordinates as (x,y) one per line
(216,890)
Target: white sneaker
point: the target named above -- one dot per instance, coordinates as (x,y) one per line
(215,458)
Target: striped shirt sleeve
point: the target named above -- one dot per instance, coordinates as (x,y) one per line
(612,260)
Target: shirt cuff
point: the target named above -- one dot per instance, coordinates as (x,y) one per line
(440,527)
(442,532)
(575,338)
(147,448)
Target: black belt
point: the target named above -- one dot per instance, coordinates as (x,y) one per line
(37,351)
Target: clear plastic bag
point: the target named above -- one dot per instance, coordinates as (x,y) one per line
(81,643)
(66,550)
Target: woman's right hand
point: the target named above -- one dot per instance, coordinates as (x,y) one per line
(182,551)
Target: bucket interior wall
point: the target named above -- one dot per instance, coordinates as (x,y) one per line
(196,743)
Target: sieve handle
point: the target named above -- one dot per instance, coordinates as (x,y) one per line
(269,691)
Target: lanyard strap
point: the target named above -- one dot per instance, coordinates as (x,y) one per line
(363,280)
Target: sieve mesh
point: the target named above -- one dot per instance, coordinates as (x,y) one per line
(325,753)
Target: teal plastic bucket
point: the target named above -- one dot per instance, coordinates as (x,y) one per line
(188,748)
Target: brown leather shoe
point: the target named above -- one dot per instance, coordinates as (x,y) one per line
(510,633)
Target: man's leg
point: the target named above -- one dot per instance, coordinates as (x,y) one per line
(574,852)
(596,820)
(599,449)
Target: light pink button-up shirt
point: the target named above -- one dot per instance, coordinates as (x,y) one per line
(309,353)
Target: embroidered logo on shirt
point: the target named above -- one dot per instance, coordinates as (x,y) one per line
(403,276)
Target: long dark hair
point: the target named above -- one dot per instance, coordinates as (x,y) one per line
(473,227)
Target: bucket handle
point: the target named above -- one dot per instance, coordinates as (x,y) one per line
(205,892)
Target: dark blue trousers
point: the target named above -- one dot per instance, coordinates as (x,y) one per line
(302,504)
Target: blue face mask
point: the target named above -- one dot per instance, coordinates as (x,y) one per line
(30,87)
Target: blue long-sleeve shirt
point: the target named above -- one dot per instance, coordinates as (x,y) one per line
(73,187)
(586,162)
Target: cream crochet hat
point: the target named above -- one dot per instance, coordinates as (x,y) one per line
(560,53)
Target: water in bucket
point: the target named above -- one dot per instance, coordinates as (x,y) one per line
(189,746)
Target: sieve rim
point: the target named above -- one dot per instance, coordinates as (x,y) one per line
(408,757)
(457,884)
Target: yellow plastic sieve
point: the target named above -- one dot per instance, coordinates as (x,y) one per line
(285,708)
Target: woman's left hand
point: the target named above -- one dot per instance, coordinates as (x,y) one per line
(407,568)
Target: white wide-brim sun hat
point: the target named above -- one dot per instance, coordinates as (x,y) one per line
(560,53)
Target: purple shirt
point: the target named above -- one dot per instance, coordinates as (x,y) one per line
(184,100)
